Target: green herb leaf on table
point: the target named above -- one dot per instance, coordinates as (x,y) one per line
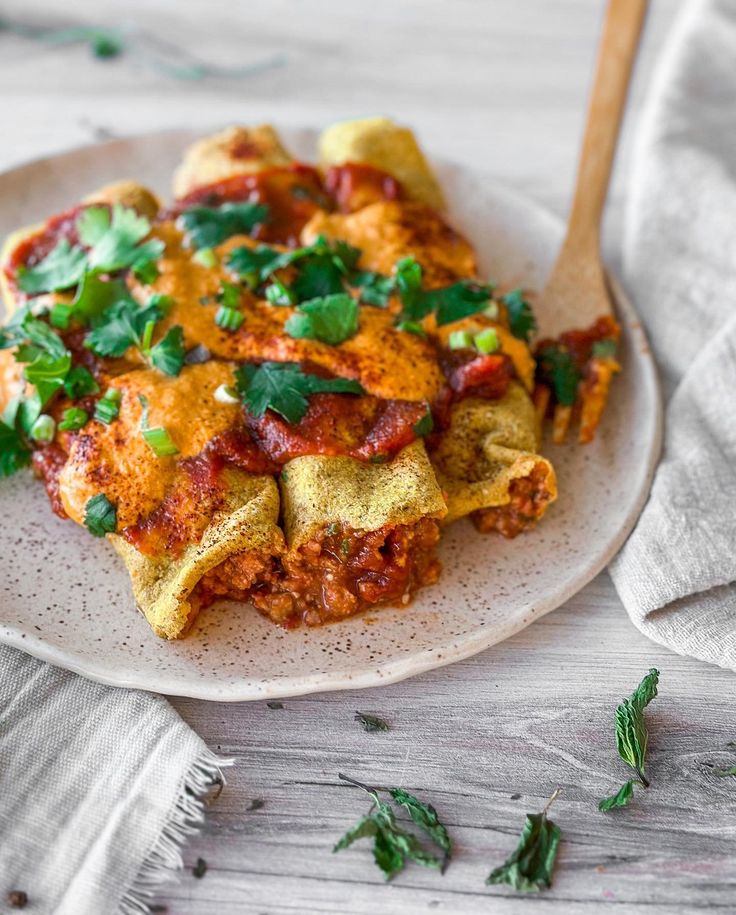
(62,268)
(425,817)
(620,799)
(207,227)
(529,868)
(555,366)
(285,388)
(371,723)
(100,516)
(393,845)
(632,737)
(522,322)
(331,319)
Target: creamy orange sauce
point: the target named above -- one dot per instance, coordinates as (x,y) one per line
(116,460)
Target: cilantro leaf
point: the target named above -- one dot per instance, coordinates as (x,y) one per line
(375,289)
(114,238)
(425,817)
(95,296)
(207,227)
(556,368)
(79,382)
(255,265)
(448,303)
(100,516)
(48,374)
(14,453)
(393,845)
(168,354)
(620,799)
(371,723)
(457,301)
(632,737)
(529,868)
(424,425)
(126,324)
(285,388)
(408,278)
(63,267)
(331,319)
(521,317)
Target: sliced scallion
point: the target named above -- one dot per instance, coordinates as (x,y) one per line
(486,341)
(228,318)
(43,429)
(460,339)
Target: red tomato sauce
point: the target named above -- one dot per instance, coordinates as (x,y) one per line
(355,185)
(292,193)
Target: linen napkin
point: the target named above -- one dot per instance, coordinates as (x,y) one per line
(676,574)
(99,787)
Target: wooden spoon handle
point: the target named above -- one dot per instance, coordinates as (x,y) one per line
(618,46)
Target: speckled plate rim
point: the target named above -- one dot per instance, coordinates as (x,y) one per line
(392,671)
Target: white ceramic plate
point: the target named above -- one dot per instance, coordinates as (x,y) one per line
(65,596)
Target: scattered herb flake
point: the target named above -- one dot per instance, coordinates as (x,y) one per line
(372,723)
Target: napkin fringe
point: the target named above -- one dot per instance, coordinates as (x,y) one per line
(185,820)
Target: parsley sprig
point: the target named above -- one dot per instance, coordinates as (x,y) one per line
(448,303)
(331,319)
(114,239)
(207,227)
(632,738)
(393,845)
(284,388)
(126,324)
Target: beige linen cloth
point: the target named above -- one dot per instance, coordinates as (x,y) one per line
(99,789)
(677,572)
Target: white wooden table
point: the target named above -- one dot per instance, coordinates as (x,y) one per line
(500,84)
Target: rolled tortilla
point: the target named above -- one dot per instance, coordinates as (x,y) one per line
(482,459)
(163,586)
(319,491)
(385,145)
(234,151)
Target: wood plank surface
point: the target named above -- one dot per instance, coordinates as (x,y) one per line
(499,84)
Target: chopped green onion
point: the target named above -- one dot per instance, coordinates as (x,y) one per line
(147,336)
(206,257)
(460,339)
(412,327)
(491,311)
(486,341)
(228,318)
(604,349)
(108,407)
(157,438)
(100,516)
(160,441)
(278,293)
(225,393)
(73,419)
(43,429)
(60,315)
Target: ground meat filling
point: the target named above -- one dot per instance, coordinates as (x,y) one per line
(528,499)
(333,576)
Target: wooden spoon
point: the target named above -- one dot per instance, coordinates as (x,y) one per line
(576,294)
